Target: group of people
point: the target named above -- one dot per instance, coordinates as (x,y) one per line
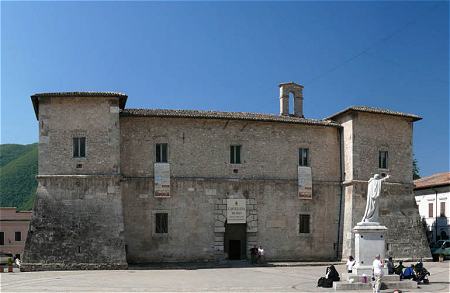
(256,255)
(416,272)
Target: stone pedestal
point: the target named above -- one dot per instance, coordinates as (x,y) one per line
(369,242)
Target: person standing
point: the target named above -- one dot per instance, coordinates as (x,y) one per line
(253,254)
(260,255)
(377,273)
(390,266)
(350,264)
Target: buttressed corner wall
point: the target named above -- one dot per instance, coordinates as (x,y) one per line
(77,220)
(120,186)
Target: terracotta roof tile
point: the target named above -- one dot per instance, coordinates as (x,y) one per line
(434,180)
(224,115)
(376,111)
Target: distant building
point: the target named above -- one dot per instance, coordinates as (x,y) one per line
(13,230)
(119,186)
(433,199)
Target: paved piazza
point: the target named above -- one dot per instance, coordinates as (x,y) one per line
(248,279)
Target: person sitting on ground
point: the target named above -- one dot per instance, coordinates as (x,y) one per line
(390,266)
(331,275)
(408,273)
(350,264)
(399,269)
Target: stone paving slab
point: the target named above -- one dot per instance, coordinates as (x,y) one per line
(234,279)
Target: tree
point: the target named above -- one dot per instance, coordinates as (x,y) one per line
(416,169)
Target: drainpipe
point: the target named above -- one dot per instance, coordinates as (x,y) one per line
(435,217)
(341,179)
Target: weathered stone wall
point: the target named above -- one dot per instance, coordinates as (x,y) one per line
(197,216)
(373,133)
(365,134)
(201,148)
(202,179)
(77,219)
(405,238)
(61,119)
(77,223)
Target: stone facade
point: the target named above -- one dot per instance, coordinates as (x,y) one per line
(100,211)
(365,134)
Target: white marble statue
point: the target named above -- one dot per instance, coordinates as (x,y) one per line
(373,192)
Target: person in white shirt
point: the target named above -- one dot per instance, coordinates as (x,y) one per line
(350,264)
(377,272)
(260,255)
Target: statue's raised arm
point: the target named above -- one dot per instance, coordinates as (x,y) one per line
(373,192)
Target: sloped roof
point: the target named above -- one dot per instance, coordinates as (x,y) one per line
(224,115)
(376,111)
(435,180)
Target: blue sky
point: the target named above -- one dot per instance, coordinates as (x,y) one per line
(230,56)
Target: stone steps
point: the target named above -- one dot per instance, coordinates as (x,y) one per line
(405,284)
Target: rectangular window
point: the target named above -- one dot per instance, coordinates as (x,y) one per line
(303,157)
(383,160)
(442,208)
(2,238)
(235,154)
(304,223)
(18,236)
(79,147)
(161,223)
(161,153)
(430,210)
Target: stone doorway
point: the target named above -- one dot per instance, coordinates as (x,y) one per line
(235,241)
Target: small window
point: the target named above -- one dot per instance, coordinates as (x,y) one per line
(2,238)
(79,147)
(161,153)
(303,157)
(161,223)
(18,236)
(304,223)
(235,154)
(442,208)
(430,210)
(383,160)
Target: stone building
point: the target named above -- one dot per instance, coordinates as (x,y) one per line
(119,186)
(13,230)
(432,195)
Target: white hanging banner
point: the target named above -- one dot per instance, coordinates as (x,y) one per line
(304,182)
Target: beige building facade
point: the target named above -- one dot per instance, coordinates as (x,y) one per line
(13,230)
(119,186)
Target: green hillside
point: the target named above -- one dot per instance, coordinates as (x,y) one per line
(18,168)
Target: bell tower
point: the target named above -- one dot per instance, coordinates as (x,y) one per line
(297,91)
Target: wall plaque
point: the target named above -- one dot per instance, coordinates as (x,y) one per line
(236,211)
(162,179)
(304,182)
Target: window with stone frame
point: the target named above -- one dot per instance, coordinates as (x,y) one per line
(161,152)
(383,159)
(304,224)
(161,223)
(79,147)
(430,210)
(442,214)
(235,154)
(303,157)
